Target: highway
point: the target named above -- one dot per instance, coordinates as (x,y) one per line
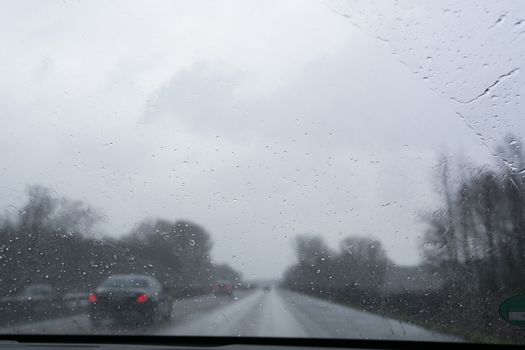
(276,313)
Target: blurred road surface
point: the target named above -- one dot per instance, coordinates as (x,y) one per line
(276,313)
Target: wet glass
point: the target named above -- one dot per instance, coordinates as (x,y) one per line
(317,169)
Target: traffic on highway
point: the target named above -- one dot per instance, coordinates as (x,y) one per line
(306,170)
(257,311)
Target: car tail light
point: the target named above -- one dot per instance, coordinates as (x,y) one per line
(142,298)
(92,298)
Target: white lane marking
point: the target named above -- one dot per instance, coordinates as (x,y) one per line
(260,314)
(354,323)
(224,321)
(277,319)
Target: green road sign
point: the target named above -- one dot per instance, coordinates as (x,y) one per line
(512,310)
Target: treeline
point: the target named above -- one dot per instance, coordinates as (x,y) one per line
(477,238)
(355,271)
(56,241)
(473,255)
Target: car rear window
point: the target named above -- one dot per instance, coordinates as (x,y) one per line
(124,283)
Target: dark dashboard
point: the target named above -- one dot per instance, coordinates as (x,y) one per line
(42,342)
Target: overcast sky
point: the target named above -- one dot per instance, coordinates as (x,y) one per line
(258,120)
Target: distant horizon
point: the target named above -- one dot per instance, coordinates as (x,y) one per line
(258,121)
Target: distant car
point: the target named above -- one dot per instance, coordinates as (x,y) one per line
(267,288)
(223,288)
(38,292)
(134,299)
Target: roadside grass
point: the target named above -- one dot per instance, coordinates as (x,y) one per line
(468,334)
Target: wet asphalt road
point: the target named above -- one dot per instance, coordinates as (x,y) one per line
(277,313)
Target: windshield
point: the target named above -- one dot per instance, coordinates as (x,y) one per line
(309,169)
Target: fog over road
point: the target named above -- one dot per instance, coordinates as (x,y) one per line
(277,313)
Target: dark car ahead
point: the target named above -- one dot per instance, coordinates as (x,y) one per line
(132,299)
